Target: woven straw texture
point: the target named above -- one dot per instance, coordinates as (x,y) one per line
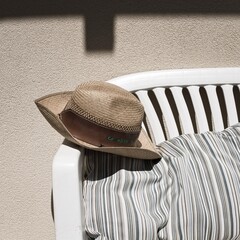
(107,105)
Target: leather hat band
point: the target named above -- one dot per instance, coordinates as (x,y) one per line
(94,134)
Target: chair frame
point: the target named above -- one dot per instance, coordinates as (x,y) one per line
(68,162)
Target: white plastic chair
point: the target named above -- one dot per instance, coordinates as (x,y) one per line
(175,102)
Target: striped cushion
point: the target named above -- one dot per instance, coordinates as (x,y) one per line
(125,199)
(205,185)
(193,192)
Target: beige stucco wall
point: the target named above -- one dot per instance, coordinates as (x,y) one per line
(45,55)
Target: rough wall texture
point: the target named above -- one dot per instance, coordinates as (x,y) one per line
(45,55)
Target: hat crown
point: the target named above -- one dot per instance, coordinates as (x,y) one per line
(107,105)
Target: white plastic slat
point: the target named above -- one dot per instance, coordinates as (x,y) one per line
(230,104)
(216,114)
(200,114)
(172,130)
(151,116)
(177,77)
(184,116)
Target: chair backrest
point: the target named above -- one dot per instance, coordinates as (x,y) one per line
(185,101)
(176,102)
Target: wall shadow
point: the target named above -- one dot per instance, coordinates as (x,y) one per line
(99,15)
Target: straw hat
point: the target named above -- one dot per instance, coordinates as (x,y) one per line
(100,116)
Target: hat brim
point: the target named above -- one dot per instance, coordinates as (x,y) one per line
(52,105)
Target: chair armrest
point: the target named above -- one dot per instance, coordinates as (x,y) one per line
(67,192)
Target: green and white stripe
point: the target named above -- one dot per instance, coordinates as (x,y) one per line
(125,198)
(205,172)
(193,192)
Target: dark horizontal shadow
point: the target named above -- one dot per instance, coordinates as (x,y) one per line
(99,14)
